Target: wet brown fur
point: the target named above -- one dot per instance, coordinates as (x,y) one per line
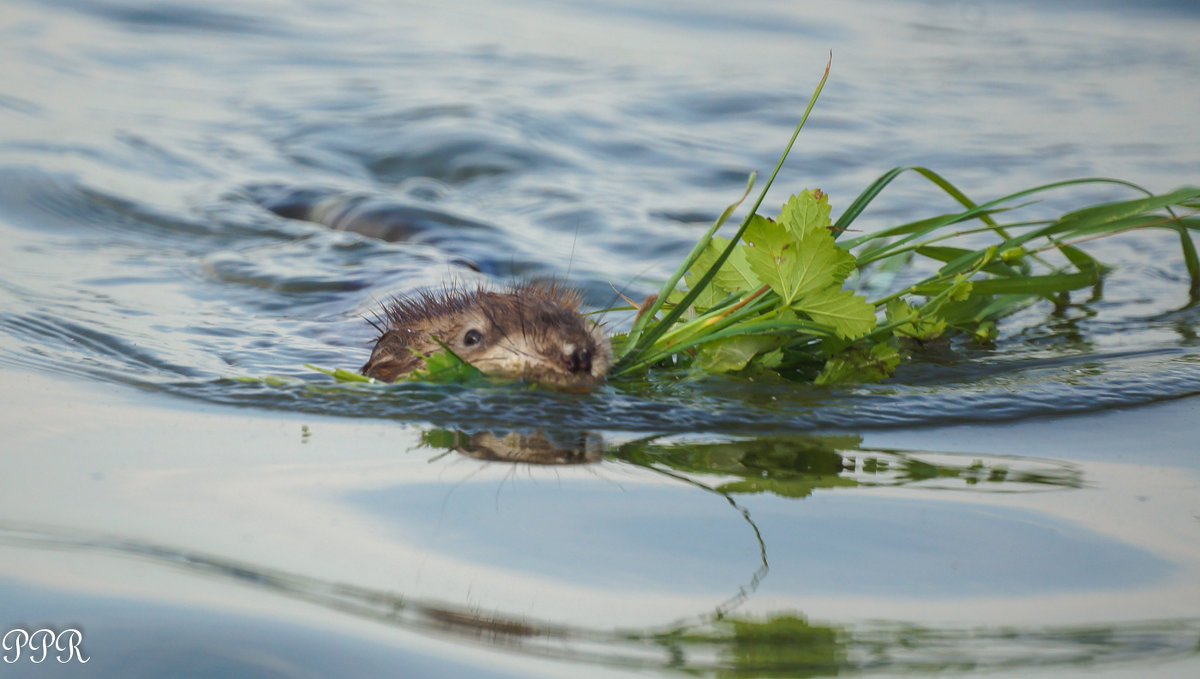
(531,331)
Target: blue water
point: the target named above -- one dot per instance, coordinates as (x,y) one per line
(1046,485)
(696,543)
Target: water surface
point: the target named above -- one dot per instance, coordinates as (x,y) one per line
(1029,507)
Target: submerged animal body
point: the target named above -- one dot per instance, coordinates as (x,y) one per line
(474,243)
(532,331)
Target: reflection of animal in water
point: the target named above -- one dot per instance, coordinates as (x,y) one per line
(536,447)
(532,331)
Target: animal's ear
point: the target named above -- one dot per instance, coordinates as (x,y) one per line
(391,359)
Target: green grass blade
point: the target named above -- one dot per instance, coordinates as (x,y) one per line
(646,338)
(340,374)
(864,199)
(972,211)
(1190,259)
(1035,285)
(640,324)
(953,256)
(1082,260)
(1111,212)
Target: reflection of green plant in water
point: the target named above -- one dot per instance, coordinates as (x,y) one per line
(884,467)
(788,645)
(787,465)
(783,646)
(793,465)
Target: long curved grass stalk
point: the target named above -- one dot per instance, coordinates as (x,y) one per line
(981,211)
(639,337)
(768,328)
(868,194)
(1086,224)
(651,311)
(864,198)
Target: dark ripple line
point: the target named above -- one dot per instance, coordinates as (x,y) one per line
(1031,388)
(177,17)
(610,409)
(877,645)
(39,201)
(83,344)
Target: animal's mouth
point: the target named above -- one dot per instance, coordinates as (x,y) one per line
(548,374)
(572,383)
(568,373)
(573,365)
(577,360)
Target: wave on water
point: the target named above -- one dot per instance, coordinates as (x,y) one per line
(180,306)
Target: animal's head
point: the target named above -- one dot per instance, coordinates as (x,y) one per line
(532,331)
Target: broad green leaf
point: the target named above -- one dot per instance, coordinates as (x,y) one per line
(767,235)
(962,288)
(899,310)
(704,261)
(797,257)
(733,353)
(737,268)
(734,275)
(858,364)
(771,359)
(916,325)
(805,213)
(849,314)
(844,263)
(710,296)
(444,367)
(784,273)
(812,264)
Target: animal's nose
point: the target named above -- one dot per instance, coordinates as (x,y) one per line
(578,360)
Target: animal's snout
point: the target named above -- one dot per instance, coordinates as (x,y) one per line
(577,360)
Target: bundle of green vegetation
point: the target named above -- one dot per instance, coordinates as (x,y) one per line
(781,296)
(785,294)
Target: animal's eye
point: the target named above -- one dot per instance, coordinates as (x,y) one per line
(472,338)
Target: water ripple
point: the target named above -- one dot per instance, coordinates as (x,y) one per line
(717,405)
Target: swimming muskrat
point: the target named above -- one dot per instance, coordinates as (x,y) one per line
(532,331)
